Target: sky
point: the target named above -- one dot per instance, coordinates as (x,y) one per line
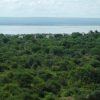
(50,8)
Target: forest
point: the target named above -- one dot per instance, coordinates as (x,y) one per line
(50,66)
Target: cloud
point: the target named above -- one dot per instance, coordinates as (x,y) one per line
(50,8)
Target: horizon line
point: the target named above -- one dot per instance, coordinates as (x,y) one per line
(55,17)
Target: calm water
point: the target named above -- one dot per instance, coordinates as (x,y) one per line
(46,29)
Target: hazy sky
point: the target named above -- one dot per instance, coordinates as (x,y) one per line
(50,8)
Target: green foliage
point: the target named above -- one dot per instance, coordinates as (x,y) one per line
(54,67)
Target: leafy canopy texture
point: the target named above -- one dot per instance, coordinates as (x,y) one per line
(50,66)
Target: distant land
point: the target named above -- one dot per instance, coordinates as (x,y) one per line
(49,21)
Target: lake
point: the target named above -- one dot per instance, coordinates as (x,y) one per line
(7,29)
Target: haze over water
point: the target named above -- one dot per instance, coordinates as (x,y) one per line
(45,29)
(48,25)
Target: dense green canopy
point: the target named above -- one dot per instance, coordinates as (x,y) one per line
(50,67)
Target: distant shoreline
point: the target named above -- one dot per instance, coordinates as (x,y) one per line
(49,21)
(44,25)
